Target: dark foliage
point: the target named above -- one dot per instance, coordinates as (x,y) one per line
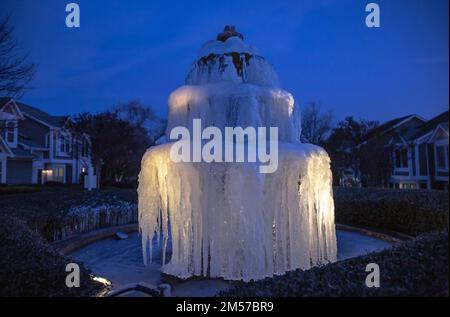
(119,138)
(117,145)
(342,145)
(46,211)
(417,268)
(30,267)
(411,212)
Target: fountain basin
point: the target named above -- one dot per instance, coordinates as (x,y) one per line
(120,261)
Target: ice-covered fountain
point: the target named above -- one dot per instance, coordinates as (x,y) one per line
(227,219)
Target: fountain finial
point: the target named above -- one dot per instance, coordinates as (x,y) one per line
(228,32)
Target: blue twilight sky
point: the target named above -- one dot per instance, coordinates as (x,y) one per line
(322,51)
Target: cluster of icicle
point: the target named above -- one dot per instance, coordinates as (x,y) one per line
(226,219)
(87,217)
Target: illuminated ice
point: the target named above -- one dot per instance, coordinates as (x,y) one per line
(227,219)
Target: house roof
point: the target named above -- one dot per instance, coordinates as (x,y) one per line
(387,126)
(430,125)
(56,121)
(11,114)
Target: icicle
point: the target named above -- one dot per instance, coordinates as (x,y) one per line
(226,219)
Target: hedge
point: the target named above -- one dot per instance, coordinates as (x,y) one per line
(49,212)
(30,267)
(411,212)
(419,267)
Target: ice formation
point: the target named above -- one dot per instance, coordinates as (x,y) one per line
(227,219)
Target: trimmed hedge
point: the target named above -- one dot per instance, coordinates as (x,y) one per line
(11,190)
(419,267)
(411,212)
(47,212)
(30,267)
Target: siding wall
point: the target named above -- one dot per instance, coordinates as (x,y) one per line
(19,171)
(34,130)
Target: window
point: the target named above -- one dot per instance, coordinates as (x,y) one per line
(64,144)
(442,157)
(423,169)
(47,140)
(58,174)
(84,148)
(10,132)
(401,158)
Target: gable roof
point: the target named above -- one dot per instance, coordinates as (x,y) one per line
(427,127)
(389,125)
(9,109)
(44,117)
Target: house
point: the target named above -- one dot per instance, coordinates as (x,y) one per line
(420,154)
(407,152)
(368,162)
(36,147)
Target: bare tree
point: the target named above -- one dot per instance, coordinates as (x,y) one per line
(316,125)
(141,116)
(15,72)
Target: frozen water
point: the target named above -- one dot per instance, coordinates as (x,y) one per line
(120,261)
(231,61)
(226,219)
(235,105)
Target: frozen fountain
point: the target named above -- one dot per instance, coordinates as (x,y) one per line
(227,219)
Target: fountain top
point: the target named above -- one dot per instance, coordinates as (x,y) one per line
(228,32)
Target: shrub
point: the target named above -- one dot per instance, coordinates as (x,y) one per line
(419,267)
(410,212)
(10,190)
(49,212)
(30,267)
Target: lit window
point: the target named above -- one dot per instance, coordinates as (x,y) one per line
(58,174)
